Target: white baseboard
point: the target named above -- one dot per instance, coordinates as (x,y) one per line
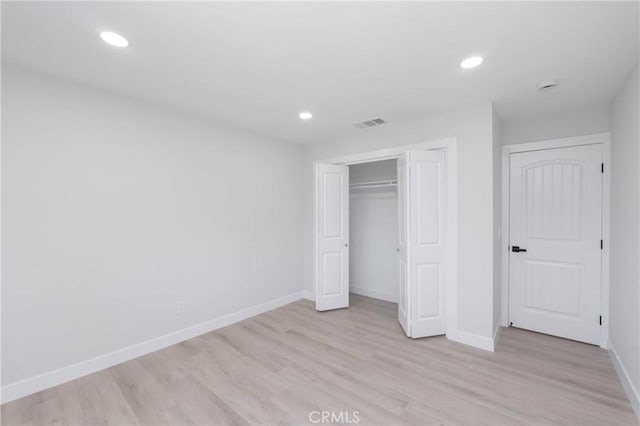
(35,384)
(373,294)
(470,339)
(627,384)
(306,294)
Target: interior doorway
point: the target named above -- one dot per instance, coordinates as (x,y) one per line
(424,193)
(557,257)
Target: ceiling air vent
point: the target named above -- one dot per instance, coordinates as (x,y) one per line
(548,85)
(369,123)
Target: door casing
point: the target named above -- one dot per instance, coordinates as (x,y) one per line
(601,138)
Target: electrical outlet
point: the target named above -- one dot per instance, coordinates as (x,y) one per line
(181,307)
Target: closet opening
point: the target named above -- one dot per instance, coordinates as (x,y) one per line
(385,226)
(373,228)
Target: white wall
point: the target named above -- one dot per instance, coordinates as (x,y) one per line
(584,121)
(373,233)
(624,327)
(496,134)
(377,170)
(472,128)
(113,210)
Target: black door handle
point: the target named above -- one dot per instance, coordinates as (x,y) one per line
(517,249)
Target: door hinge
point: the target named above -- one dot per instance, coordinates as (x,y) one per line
(600,319)
(602,168)
(601,245)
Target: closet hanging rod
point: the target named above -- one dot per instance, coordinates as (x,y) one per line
(374,184)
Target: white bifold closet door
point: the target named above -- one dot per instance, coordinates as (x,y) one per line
(402,177)
(332,237)
(421,250)
(421,246)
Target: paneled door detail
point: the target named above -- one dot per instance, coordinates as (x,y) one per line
(555,255)
(427,246)
(331,273)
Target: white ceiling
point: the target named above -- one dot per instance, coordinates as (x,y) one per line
(257,65)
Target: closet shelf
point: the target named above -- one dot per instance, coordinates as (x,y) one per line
(375,184)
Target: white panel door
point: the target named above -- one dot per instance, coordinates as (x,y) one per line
(332,237)
(427,243)
(555,256)
(403,246)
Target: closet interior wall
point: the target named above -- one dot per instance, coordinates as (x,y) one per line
(373,228)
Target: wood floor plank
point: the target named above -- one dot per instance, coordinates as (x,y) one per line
(278,367)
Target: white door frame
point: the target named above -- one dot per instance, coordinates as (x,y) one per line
(600,138)
(449,145)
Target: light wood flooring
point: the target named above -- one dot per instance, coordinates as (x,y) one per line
(280,366)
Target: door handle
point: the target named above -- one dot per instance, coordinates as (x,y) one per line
(517,249)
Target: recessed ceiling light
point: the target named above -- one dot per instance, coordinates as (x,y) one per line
(305,115)
(114,39)
(471,62)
